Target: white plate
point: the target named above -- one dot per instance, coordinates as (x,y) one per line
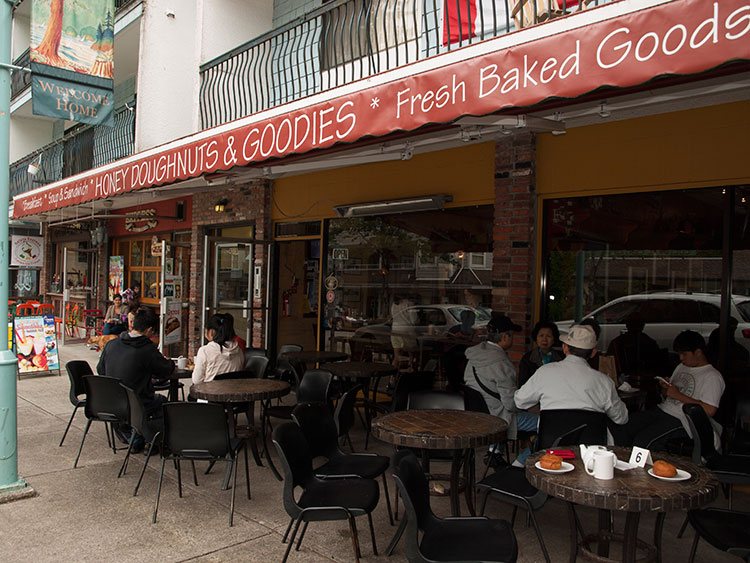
(681,475)
(564,468)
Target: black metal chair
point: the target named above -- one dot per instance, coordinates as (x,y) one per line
(724,529)
(314,387)
(151,430)
(450,539)
(76,370)
(199,431)
(510,485)
(729,470)
(107,402)
(319,429)
(321,499)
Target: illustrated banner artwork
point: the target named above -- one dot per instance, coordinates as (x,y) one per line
(72,60)
(116,276)
(173,326)
(36,344)
(26,251)
(675,38)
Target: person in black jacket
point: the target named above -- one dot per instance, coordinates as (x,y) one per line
(134,359)
(544,336)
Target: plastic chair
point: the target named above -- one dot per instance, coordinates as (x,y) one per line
(257,366)
(450,539)
(76,370)
(313,388)
(199,431)
(554,423)
(319,429)
(106,401)
(253,352)
(45,309)
(343,416)
(321,499)
(724,529)
(151,430)
(740,444)
(729,470)
(25,310)
(72,316)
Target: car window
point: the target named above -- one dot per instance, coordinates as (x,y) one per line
(744,308)
(655,311)
(429,316)
(616,313)
(709,313)
(684,311)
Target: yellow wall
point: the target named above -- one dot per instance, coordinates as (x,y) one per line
(694,148)
(466,173)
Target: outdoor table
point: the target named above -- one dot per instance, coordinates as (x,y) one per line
(632,491)
(460,431)
(229,391)
(315,357)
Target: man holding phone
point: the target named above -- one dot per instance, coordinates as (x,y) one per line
(695,380)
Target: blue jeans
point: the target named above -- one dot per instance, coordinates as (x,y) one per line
(527,422)
(112,328)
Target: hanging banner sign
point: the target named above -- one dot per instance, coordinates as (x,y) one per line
(675,38)
(36,344)
(26,251)
(116,276)
(72,60)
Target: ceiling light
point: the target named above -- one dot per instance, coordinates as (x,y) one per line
(426,203)
(603,111)
(108,203)
(221,205)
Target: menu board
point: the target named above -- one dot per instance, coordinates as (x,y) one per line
(36,344)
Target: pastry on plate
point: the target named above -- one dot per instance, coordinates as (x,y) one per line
(549,461)
(664,469)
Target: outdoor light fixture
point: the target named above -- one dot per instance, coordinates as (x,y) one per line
(35,167)
(603,111)
(221,205)
(426,203)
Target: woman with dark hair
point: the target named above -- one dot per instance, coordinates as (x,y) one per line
(544,336)
(221,354)
(113,323)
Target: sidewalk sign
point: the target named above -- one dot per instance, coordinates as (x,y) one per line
(36,344)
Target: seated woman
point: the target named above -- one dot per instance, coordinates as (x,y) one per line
(113,323)
(544,336)
(222,354)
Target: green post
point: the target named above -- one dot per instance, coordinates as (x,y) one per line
(9,479)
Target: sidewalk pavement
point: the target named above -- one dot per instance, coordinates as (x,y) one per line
(87,514)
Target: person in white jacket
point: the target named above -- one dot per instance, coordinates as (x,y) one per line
(222,354)
(490,371)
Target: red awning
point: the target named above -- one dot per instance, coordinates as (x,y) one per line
(565,58)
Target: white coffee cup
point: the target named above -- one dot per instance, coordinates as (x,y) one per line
(181,363)
(601,465)
(588,451)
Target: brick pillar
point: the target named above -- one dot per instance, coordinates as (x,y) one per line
(514,234)
(249,203)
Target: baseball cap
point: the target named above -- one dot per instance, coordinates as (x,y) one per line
(580,336)
(502,323)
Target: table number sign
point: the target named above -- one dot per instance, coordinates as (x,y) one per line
(640,457)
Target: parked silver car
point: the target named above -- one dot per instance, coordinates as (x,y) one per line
(667,314)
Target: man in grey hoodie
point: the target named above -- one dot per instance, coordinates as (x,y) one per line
(491,372)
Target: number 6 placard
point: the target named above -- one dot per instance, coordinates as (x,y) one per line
(640,457)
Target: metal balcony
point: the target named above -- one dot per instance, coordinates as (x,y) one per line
(346,40)
(86,147)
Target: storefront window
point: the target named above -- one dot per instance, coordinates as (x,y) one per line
(656,255)
(413,273)
(141,267)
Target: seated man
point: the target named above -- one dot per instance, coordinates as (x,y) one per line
(635,352)
(134,359)
(490,371)
(693,381)
(572,383)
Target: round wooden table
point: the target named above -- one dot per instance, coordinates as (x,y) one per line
(460,431)
(633,491)
(244,390)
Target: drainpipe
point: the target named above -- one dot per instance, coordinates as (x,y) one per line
(9,479)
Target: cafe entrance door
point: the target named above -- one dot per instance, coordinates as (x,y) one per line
(235,274)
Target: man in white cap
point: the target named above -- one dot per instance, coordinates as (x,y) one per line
(572,383)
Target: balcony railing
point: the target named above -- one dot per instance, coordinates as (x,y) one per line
(20,80)
(346,40)
(86,147)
